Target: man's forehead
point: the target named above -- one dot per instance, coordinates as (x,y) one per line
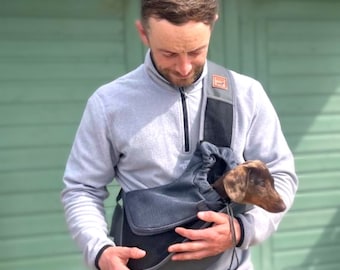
(188,31)
(188,50)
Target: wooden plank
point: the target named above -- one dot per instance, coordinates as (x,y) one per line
(24,226)
(21,204)
(304,65)
(296,220)
(262,53)
(317,200)
(313,29)
(248,37)
(73,49)
(135,49)
(307,238)
(296,125)
(41,114)
(296,10)
(70,29)
(39,221)
(295,47)
(323,266)
(42,180)
(327,142)
(27,181)
(36,203)
(48,91)
(230,32)
(37,246)
(308,105)
(36,135)
(311,181)
(318,162)
(36,158)
(309,256)
(304,85)
(54,69)
(71,261)
(62,8)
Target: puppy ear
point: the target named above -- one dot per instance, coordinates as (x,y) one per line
(235,183)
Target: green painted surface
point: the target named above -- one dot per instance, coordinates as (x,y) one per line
(54,54)
(292,47)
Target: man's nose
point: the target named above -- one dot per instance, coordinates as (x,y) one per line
(184,65)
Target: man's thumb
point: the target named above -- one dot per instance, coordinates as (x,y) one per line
(137,253)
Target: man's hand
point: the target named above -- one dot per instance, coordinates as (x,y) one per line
(206,242)
(116,258)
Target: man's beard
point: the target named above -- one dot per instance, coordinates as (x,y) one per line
(175,78)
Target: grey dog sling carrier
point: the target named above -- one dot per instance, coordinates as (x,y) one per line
(147,218)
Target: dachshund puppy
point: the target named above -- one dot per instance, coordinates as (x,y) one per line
(250,183)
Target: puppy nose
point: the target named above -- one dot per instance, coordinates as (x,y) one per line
(277,206)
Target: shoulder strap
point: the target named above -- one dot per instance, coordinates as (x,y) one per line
(217,115)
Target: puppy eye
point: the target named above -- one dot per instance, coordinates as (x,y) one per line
(260,182)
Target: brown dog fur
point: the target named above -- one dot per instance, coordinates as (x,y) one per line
(250,183)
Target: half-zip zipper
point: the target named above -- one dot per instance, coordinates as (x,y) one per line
(185,120)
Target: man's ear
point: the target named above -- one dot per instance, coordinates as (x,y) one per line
(213,23)
(142,33)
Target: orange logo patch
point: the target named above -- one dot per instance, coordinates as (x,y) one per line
(220,82)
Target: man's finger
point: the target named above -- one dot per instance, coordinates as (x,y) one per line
(189,256)
(192,234)
(187,247)
(213,217)
(136,253)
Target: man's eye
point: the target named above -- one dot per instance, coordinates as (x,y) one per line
(195,53)
(169,54)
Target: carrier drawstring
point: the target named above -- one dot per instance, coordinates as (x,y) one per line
(230,213)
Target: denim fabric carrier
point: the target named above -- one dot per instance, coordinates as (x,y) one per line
(157,210)
(148,217)
(151,215)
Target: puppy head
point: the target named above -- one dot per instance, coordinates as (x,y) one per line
(252,183)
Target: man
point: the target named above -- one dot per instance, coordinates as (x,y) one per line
(142,130)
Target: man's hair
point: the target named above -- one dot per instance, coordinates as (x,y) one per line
(179,11)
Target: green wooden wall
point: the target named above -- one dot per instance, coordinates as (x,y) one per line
(293,47)
(54,54)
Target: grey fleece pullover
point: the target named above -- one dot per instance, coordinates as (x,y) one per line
(132,131)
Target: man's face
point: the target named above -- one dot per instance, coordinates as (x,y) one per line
(179,52)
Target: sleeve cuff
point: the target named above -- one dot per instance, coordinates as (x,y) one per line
(100,252)
(240,242)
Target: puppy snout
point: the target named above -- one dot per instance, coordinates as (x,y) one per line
(276,206)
